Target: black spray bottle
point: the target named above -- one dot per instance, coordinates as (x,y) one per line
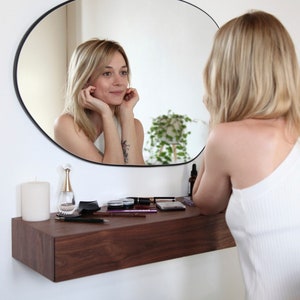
(192,179)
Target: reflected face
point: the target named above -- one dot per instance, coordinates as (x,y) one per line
(158,57)
(112,83)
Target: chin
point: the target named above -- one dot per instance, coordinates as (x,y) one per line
(115,103)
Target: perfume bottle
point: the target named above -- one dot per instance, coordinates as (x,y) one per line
(66,202)
(192,179)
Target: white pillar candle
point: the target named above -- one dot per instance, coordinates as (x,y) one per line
(35,201)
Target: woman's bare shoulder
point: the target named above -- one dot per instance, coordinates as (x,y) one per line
(248,150)
(64,125)
(226,133)
(63,122)
(138,123)
(227,141)
(63,119)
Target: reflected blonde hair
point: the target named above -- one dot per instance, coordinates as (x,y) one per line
(253,72)
(87,62)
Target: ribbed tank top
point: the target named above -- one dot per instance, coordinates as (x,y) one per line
(264,220)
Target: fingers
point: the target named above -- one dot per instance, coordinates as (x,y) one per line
(89,101)
(86,95)
(87,92)
(131,93)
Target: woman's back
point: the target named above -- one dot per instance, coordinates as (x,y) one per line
(264,220)
(263,213)
(252,148)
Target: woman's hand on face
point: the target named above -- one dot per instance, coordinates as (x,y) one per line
(90,102)
(130,99)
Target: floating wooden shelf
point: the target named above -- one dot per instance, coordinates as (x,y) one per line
(62,251)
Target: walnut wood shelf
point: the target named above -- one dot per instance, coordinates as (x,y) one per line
(62,251)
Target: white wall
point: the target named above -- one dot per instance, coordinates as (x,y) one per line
(25,154)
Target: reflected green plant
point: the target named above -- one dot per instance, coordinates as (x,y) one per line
(168,139)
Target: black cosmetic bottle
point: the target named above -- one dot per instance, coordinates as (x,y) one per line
(192,179)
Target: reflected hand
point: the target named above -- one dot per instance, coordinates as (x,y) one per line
(130,100)
(90,102)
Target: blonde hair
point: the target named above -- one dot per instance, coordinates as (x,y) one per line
(253,72)
(87,62)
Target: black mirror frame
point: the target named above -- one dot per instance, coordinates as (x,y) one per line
(18,94)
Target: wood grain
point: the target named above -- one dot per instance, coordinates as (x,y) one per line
(62,251)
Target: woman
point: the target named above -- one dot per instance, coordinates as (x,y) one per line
(98,123)
(251,164)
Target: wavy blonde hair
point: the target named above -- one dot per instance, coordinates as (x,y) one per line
(253,72)
(87,62)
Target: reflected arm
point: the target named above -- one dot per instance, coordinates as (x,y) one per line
(69,137)
(132,138)
(132,141)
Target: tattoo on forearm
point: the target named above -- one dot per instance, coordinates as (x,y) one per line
(125,148)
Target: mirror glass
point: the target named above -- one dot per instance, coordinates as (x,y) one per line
(167,43)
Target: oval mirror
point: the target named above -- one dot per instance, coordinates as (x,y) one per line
(167,43)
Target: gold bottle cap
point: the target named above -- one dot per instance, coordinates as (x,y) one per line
(67,184)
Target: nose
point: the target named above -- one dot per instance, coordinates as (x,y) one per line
(119,80)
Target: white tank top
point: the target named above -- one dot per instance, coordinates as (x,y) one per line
(264,220)
(100,143)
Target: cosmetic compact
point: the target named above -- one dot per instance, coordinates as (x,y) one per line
(115,204)
(128,203)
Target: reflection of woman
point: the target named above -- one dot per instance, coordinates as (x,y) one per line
(251,164)
(98,123)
